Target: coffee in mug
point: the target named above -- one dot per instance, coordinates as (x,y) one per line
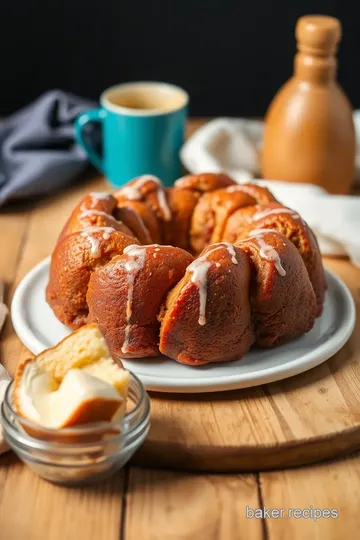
(147,97)
(143,127)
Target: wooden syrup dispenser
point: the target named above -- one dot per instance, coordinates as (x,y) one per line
(309,129)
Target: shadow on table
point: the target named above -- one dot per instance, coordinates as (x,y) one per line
(315,376)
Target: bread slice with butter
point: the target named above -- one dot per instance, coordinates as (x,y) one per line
(76,382)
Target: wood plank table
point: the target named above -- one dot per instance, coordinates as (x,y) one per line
(140,504)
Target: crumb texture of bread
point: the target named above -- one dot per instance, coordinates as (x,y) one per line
(75,382)
(82,348)
(106,370)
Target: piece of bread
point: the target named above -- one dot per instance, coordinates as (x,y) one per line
(76,382)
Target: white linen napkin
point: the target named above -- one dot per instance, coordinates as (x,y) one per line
(232,146)
(4,376)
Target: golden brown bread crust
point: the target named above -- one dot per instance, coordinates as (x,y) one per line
(131,219)
(227,307)
(211,214)
(93,218)
(289,223)
(147,216)
(125,296)
(147,196)
(182,203)
(204,182)
(72,264)
(101,210)
(104,204)
(283,306)
(183,198)
(240,217)
(198,210)
(261,194)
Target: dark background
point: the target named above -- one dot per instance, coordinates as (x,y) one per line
(231,55)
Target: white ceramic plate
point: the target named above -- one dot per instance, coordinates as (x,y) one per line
(38,328)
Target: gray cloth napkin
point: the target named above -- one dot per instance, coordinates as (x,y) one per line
(38,153)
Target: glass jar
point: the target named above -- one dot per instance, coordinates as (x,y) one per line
(82,454)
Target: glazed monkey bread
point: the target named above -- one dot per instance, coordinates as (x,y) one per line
(199,272)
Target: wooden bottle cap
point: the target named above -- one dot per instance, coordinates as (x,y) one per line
(318,34)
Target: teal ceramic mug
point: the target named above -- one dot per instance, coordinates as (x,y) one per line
(143,126)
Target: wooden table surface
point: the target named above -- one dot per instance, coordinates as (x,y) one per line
(139,504)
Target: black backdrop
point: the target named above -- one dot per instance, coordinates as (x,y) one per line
(231,55)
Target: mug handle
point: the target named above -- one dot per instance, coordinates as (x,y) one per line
(94,115)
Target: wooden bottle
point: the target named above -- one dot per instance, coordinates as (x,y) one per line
(309,129)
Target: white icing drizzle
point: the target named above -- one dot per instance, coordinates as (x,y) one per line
(240,187)
(88,233)
(163,204)
(95,196)
(266,251)
(255,232)
(133,193)
(132,267)
(89,213)
(231,250)
(100,195)
(199,269)
(269,211)
(134,247)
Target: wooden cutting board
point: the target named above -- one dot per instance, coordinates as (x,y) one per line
(304,419)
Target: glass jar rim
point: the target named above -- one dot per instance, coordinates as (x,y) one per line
(142,402)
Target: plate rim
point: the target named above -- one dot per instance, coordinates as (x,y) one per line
(167,384)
